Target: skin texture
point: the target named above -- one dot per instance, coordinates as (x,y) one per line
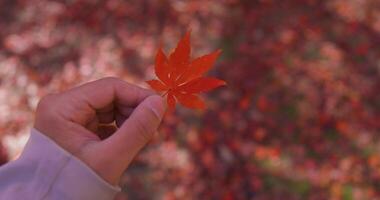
(104,123)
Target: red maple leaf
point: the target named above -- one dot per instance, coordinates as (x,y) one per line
(181,78)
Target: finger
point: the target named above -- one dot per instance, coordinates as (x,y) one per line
(106,117)
(120,119)
(104,131)
(93,125)
(101,93)
(137,130)
(109,107)
(125,110)
(122,114)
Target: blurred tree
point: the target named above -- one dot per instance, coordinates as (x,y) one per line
(299,120)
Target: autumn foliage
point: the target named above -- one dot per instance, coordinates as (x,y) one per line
(181,78)
(299,118)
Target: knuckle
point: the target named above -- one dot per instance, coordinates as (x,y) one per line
(111,79)
(44,112)
(46,102)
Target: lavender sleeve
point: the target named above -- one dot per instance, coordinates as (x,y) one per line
(46,171)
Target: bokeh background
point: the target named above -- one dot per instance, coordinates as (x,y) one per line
(300,118)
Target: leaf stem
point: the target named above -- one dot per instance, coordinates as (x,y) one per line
(165,93)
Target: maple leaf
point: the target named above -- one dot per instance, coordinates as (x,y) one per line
(181,78)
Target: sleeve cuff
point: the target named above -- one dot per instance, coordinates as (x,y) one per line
(62,174)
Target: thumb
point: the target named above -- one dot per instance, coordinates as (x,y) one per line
(138,129)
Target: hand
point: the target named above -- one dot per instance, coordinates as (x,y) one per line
(80,120)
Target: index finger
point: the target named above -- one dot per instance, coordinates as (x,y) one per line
(103,92)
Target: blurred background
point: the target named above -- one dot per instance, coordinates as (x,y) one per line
(300,118)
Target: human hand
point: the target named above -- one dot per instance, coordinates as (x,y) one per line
(80,121)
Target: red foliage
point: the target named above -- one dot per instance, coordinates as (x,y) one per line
(299,120)
(181,79)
